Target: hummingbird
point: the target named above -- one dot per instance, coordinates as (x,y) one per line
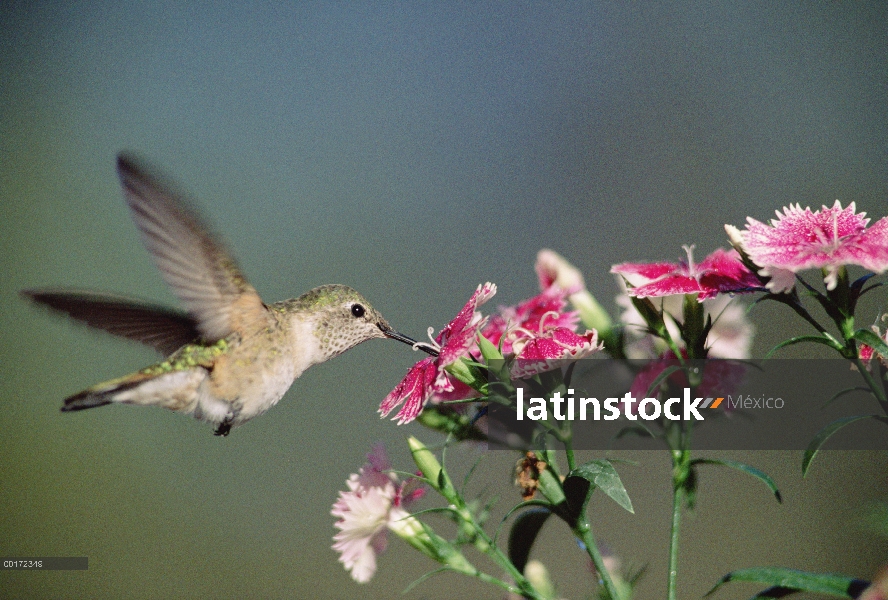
(230,356)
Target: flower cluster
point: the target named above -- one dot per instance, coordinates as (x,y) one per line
(695,318)
(538,335)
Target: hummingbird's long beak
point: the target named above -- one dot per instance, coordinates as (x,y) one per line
(409,341)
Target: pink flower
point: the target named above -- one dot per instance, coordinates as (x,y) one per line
(528,315)
(720,272)
(552,347)
(829,239)
(719,377)
(867,353)
(374,503)
(554,271)
(427,378)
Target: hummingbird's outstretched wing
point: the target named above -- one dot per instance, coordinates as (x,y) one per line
(193,263)
(164,330)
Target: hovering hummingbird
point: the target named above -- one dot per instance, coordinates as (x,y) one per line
(231,357)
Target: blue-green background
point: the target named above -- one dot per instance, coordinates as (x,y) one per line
(411,151)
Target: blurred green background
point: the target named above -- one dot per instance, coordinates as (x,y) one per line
(412,151)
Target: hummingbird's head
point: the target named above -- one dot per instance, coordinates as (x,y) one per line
(343,319)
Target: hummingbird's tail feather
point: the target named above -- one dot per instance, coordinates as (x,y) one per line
(85,399)
(174,390)
(103,393)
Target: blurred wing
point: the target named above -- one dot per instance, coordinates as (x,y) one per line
(195,265)
(162,329)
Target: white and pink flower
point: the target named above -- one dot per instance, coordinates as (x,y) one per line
(374,504)
(799,239)
(719,273)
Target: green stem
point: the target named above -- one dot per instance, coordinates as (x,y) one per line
(878,390)
(506,586)
(567,440)
(677,501)
(681,470)
(524,587)
(584,531)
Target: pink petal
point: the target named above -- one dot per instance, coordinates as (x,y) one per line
(552,350)
(543,310)
(648,270)
(554,270)
(457,336)
(667,286)
(413,391)
(828,238)
(720,272)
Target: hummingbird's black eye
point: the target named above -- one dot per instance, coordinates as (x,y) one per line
(357,310)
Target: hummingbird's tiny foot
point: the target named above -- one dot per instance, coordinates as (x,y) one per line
(223,428)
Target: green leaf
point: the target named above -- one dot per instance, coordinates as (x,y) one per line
(865,336)
(524,533)
(791,579)
(545,504)
(825,433)
(870,288)
(844,392)
(428,575)
(469,373)
(582,481)
(817,339)
(659,379)
(743,467)
(488,350)
(650,314)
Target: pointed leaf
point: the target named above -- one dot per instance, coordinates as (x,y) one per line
(844,392)
(870,288)
(825,433)
(659,379)
(582,481)
(428,575)
(865,336)
(791,579)
(651,316)
(817,339)
(749,470)
(541,503)
(488,350)
(524,533)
